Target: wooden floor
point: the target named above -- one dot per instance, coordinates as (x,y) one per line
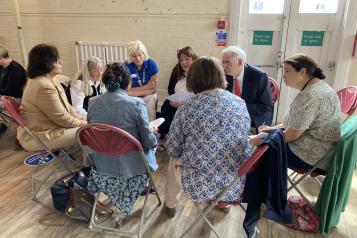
(22,217)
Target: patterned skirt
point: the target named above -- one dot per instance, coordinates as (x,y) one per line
(122,192)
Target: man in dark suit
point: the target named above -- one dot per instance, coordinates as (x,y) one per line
(250,83)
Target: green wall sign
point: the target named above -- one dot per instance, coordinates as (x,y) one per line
(262,38)
(312,38)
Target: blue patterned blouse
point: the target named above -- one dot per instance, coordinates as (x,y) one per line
(210,134)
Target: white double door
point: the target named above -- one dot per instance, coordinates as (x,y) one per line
(289,33)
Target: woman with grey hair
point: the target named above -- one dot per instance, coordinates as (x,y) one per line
(88,83)
(144,75)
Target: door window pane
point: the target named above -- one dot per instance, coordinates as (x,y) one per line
(318,6)
(266,6)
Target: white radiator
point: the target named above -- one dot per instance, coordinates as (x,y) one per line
(107,51)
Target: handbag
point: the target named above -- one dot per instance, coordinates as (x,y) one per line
(60,188)
(69,195)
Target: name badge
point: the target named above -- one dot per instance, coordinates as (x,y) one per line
(133,76)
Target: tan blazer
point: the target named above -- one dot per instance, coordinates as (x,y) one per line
(46,110)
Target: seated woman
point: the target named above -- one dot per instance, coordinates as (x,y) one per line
(12,79)
(177,84)
(312,122)
(127,171)
(209,134)
(44,105)
(87,84)
(144,75)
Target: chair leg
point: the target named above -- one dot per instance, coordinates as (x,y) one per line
(294,185)
(142,217)
(207,221)
(36,190)
(318,181)
(201,215)
(152,184)
(92,222)
(40,163)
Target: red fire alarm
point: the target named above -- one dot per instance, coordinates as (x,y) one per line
(221,24)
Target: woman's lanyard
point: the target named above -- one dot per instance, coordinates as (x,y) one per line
(306,84)
(299,92)
(140,80)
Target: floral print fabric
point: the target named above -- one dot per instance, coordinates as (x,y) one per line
(123,192)
(210,134)
(317,110)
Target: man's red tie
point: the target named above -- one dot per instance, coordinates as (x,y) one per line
(236,87)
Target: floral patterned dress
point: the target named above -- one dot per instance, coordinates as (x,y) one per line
(210,134)
(123,192)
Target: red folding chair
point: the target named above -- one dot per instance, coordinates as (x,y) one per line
(6,119)
(275,89)
(110,140)
(12,106)
(247,167)
(348,100)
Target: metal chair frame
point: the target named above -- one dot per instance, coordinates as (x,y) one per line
(110,140)
(13,108)
(247,167)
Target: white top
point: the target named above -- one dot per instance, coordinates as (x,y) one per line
(77,96)
(181,93)
(181,85)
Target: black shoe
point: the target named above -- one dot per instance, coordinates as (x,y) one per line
(143,193)
(3,128)
(169,211)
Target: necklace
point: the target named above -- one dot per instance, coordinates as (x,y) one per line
(306,84)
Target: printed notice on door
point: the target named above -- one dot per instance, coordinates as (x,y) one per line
(312,38)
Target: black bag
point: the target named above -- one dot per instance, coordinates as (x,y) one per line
(70,195)
(60,189)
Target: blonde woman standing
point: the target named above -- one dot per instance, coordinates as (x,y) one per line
(88,83)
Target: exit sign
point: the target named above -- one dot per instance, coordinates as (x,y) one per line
(312,38)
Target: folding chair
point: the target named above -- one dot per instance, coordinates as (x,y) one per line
(12,106)
(4,118)
(247,167)
(110,140)
(275,89)
(348,100)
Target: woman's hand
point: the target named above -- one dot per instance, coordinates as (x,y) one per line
(154,129)
(154,82)
(265,128)
(257,139)
(175,104)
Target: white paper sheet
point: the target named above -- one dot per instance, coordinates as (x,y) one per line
(180,97)
(157,122)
